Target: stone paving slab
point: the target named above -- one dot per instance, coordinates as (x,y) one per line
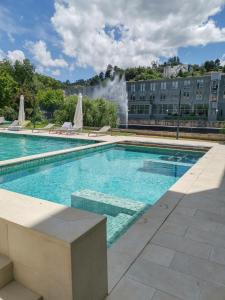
(182,244)
(163,296)
(159,255)
(172,282)
(132,290)
(199,268)
(218,255)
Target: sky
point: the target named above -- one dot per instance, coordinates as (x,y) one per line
(75,39)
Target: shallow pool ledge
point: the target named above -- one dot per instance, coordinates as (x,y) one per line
(58,252)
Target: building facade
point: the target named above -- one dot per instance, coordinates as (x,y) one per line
(200,97)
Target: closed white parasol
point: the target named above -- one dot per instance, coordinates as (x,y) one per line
(78,117)
(21,117)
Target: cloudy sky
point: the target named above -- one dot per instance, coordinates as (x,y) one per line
(73,39)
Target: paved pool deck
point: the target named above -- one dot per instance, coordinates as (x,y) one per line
(176,250)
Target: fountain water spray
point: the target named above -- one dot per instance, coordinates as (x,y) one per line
(115,91)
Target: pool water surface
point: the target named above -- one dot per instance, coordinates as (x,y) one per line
(120,182)
(19,145)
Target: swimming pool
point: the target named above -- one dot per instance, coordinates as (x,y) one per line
(19,145)
(118,181)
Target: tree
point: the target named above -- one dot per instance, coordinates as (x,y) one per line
(24,72)
(50,100)
(8,89)
(174,61)
(101,76)
(97,112)
(108,72)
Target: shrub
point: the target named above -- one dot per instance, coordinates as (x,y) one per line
(9,113)
(97,113)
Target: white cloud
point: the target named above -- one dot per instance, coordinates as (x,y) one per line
(16,55)
(56,72)
(134,32)
(43,56)
(12,55)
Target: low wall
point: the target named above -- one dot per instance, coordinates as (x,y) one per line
(58,252)
(184,123)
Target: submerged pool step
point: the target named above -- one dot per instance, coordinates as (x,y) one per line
(168,162)
(116,225)
(106,204)
(165,168)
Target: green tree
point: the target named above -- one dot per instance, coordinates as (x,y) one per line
(8,89)
(109,70)
(50,100)
(97,112)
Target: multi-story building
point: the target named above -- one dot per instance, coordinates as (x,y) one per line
(202,96)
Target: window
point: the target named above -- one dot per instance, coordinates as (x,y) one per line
(186,95)
(142,98)
(142,87)
(185,109)
(139,109)
(132,88)
(162,97)
(214,86)
(214,98)
(152,86)
(198,95)
(132,97)
(200,83)
(187,83)
(152,97)
(175,85)
(224,95)
(163,85)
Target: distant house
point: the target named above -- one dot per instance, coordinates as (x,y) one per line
(173,71)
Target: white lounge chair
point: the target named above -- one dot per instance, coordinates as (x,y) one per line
(2,120)
(102,131)
(13,125)
(63,128)
(16,126)
(74,130)
(46,128)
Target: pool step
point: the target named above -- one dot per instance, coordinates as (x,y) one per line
(116,225)
(169,162)
(165,168)
(105,204)
(16,291)
(6,270)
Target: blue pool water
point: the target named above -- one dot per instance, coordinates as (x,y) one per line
(14,146)
(133,178)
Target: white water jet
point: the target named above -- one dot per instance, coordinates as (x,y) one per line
(115,91)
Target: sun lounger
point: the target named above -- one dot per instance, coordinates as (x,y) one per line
(63,128)
(2,120)
(46,128)
(74,130)
(102,131)
(16,126)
